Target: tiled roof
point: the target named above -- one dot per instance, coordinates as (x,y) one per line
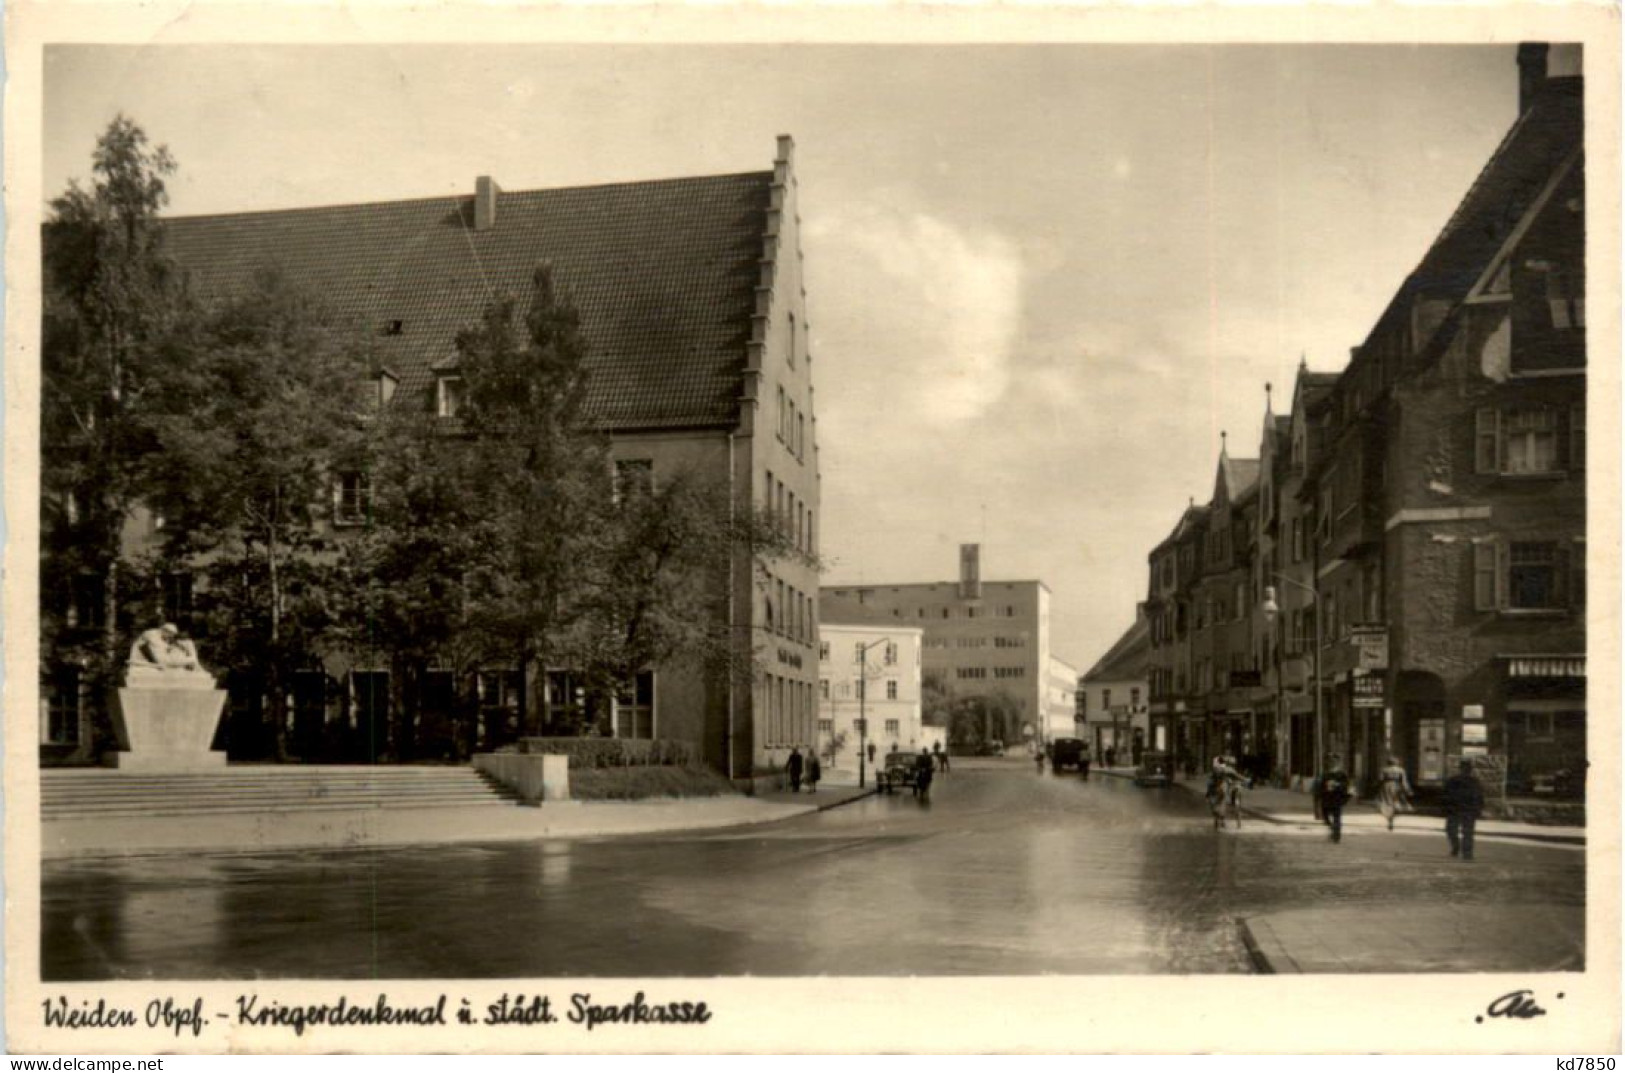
(1127,659)
(1240,475)
(663,273)
(1543,137)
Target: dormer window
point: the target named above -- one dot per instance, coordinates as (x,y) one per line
(448,395)
(376,392)
(393,327)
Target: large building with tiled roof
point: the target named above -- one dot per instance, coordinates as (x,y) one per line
(692,304)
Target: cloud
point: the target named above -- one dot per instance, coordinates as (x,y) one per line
(930,313)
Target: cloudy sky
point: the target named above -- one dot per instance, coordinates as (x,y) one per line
(1042,279)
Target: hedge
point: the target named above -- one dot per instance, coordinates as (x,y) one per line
(593,753)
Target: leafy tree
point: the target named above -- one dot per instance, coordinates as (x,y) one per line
(659,585)
(541,482)
(113,303)
(264,416)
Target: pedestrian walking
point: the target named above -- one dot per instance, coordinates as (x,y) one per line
(941,755)
(1394,796)
(1333,795)
(1111,756)
(1038,755)
(815,771)
(1463,802)
(923,766)
(793,767)
(1083,761)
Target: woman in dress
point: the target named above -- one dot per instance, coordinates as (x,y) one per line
(1395,795)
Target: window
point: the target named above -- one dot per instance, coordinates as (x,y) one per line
(970,612)
(1534,581)
(891,653)
(86,608)
(448,396)
(62,708)
(1009,672)
(635,707)
(1539,726)
(782,405)
(892,729)
(891,689)
(1577,436)
(801,436)
(826,726)
(634,478)
(784,614)
(823,688)
(970,672)
(1105,698)
(768,500)
(1531,441)
(352,498)
(793,340)
(857,652)
(823,655)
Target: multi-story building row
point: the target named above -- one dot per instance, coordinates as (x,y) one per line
(981,638)
(693,307)
(1402,569)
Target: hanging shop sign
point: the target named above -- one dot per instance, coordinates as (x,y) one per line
(1371,647)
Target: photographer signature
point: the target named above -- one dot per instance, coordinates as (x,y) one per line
(1515,1005)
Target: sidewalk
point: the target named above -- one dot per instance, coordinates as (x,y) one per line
(374,827)
(1295,807)
(1348,938)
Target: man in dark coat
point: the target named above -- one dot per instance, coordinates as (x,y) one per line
(1463,803)
(1334,794)
(923,767)
(792,767)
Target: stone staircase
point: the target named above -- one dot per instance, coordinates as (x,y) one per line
(90,793)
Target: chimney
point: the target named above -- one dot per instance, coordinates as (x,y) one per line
(970,571)
(1531,73)
(486,191)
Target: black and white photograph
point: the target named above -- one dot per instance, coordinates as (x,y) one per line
(1024,522)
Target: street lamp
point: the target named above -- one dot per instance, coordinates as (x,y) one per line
(863,696)
(1271,610)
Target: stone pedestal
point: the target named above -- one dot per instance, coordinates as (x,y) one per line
(167,729)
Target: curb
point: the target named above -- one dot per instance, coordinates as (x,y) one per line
(1255,952)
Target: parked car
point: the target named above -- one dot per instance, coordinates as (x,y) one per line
(1156,769)
(1068,753)
(900,769)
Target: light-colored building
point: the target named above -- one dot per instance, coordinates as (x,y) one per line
(869,672)
(986,639)
(1060,699)
(1114,698)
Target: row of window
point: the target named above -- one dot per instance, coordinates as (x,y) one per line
(1106,699)
(854,689)
(791,513)
(789,613)
(352,490)
(792,430)
(789,714)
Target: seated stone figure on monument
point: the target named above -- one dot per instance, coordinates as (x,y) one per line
(161,658)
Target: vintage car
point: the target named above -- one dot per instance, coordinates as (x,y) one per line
(1068,753)
(1156,769)
(899,769)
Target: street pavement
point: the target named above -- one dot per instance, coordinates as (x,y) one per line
(1001,872)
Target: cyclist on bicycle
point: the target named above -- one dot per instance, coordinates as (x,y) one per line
(1222,780)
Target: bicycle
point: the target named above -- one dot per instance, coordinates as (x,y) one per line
(1226,802)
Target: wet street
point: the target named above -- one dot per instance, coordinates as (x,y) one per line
(1002,872)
